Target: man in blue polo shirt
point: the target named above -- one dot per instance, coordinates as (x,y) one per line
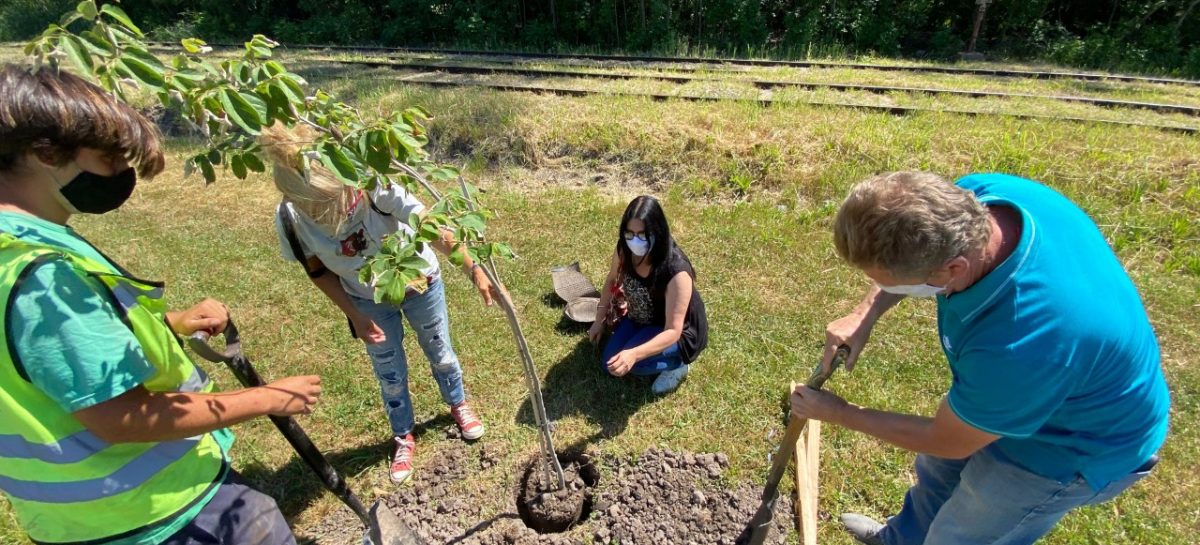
(1057,399)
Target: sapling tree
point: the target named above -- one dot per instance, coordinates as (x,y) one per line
(228,100)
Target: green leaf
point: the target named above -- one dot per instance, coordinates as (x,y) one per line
(474,221)
(69,17)
(379,155)
(456,257)
(145,56)
(379,265)
(336,160)
(414,262)
(278,105)
(429,232)
(294,91)
(206,169)
(240,112)
(503,250)
(395,292)
(258,52)
(274,68)
(78,53)
(257,103)
(244,72)
(97,42)
(287,92)
(386,278)
(238,166)
(254,163)
(416,113)
(192,77)
(87,9)
(143,72)
(193,45)
(117,13)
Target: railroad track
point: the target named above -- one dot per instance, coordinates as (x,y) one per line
(995,72)
(895,110)
(773,84)
(764,84)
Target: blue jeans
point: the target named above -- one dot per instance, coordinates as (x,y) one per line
(629,335)
(427,314)
(987,499)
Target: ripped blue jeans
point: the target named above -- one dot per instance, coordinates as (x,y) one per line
(428,316)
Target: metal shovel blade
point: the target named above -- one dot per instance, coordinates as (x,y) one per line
(387,529)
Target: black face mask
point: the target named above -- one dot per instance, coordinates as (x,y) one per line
(91,193)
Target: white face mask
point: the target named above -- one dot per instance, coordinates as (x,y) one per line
(913,290)
(638,246)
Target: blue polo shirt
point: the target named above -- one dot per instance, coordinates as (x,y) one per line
(1053,350)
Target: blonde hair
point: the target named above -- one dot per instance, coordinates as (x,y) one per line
(308,185)
(909,223)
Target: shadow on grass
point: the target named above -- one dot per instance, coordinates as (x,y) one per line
(294,485)
(577,385)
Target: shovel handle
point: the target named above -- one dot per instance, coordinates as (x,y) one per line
(820,375)
(760,523)
(237,362)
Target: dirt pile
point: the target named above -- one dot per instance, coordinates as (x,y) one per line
(677,497)
(662,498)
(548,510)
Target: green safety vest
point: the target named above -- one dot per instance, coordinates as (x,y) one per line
(65,484)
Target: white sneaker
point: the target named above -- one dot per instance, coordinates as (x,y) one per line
(668,381)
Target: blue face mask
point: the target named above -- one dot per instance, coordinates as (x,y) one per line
(638,246)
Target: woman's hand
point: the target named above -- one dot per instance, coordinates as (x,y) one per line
(486,290)
(366,329)
(596,331)
(209,316)
(621,363)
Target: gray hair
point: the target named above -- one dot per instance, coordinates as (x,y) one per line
(909,223)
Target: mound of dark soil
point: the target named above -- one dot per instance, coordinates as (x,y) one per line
(548,510)
(662,498)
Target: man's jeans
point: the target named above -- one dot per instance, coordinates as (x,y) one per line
(987,499)
(428,316)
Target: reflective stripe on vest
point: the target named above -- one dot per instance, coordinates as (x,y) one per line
(65,484)
(132,475)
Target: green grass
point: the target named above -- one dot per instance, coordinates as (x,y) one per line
(750,192)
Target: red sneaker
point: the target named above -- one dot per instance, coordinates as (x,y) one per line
(402,460)
(468,423)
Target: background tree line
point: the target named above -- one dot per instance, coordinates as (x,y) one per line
(1132,35)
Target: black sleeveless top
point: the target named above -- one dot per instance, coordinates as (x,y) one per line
(647,299)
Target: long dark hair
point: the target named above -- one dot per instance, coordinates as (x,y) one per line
(647,209)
